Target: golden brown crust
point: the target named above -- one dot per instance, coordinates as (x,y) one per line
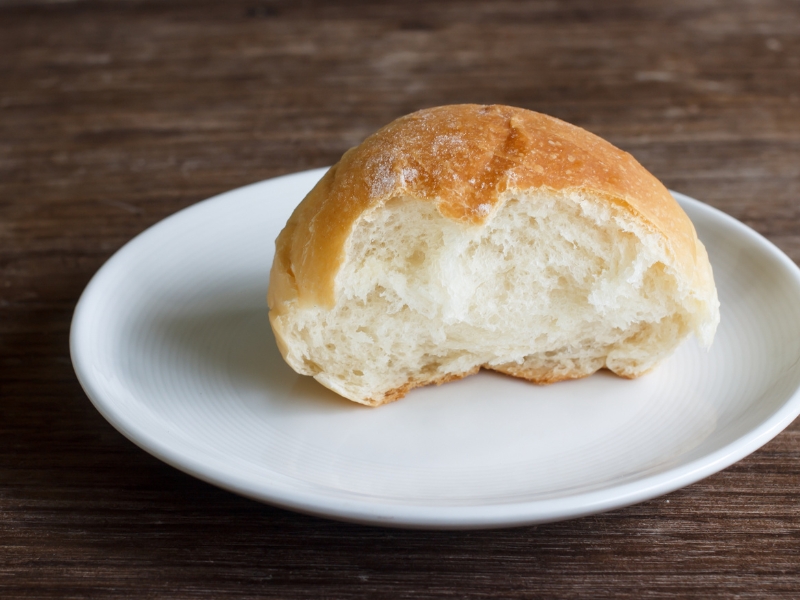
(537,376)
(545,377)
(400,392)
(541,375)
(463,157)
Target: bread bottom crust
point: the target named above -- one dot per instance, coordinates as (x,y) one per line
(541,375)
(399,392)
(537,375)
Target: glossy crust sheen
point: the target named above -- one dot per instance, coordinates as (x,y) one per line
(463,157)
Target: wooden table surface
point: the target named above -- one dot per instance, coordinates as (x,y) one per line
(114,115)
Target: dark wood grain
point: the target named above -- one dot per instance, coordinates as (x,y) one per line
(114,115)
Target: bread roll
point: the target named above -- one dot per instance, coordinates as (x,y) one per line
(466,237)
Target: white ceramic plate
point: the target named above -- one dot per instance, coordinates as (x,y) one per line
(172,344)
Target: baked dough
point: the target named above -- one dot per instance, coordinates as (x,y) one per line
(466,237)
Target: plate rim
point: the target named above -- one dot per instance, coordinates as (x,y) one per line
(422,516)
